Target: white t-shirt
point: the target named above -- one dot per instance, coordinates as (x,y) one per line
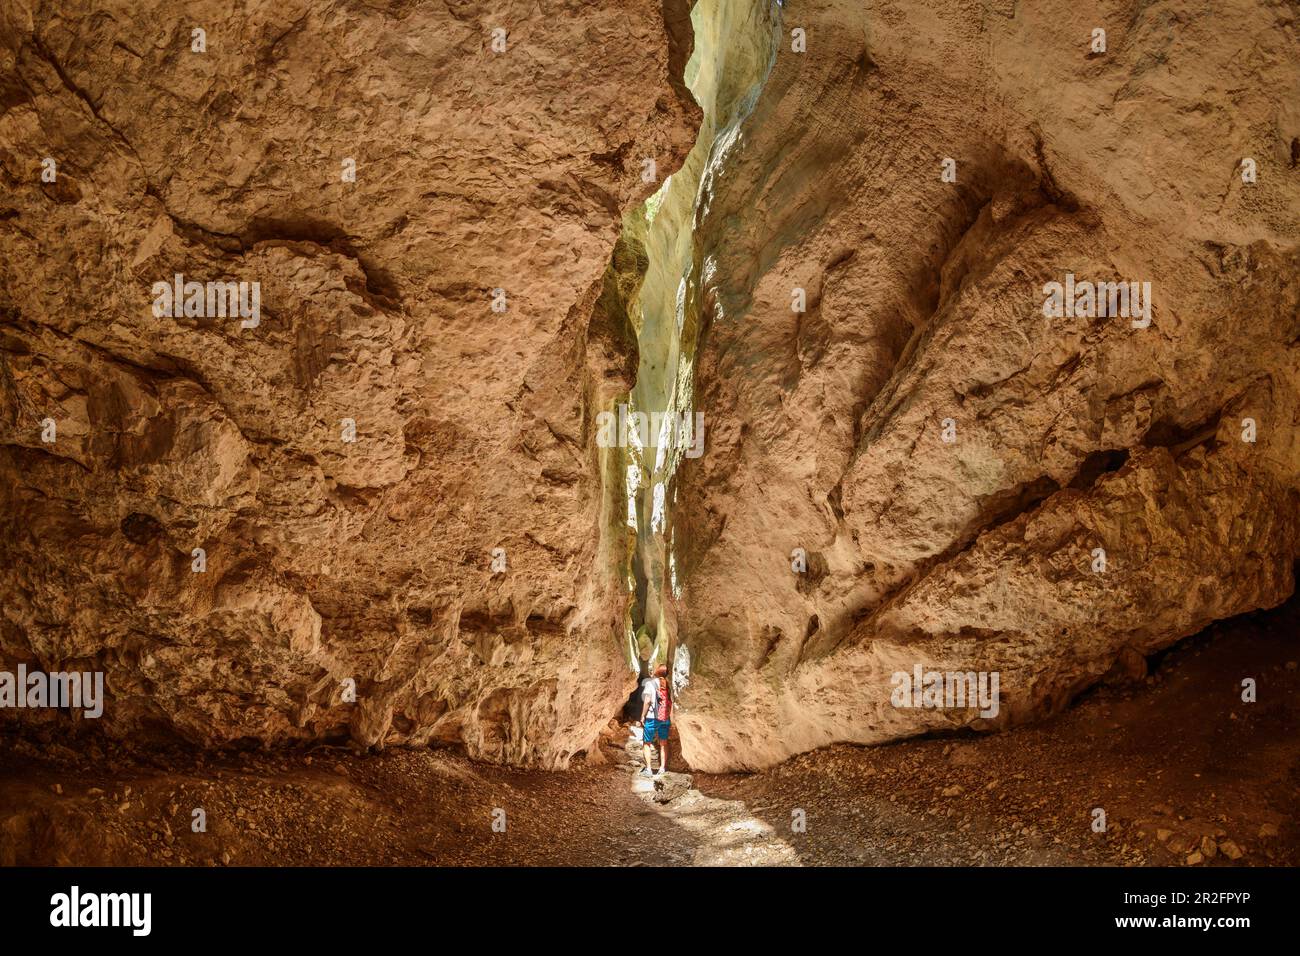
(650,694)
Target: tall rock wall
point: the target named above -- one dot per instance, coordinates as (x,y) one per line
(225,155)
(950,459)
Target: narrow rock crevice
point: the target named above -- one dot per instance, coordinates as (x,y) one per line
(655,272)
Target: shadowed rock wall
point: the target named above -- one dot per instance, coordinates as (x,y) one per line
(327,560)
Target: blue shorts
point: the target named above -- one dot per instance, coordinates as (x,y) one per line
(655,729)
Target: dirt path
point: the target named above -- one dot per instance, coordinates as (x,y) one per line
(1184,770)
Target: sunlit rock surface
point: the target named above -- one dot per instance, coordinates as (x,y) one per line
(327,561)
(735,44)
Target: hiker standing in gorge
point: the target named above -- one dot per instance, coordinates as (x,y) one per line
(656,715)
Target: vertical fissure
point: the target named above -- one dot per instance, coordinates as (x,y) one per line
(657,425)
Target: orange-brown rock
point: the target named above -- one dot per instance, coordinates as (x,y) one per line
(947,456)
(227,155)
(911,459)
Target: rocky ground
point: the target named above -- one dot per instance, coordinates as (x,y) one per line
(1185,771)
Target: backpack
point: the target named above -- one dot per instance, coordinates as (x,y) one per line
(663,705)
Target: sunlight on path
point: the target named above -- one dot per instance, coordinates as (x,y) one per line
(725,832)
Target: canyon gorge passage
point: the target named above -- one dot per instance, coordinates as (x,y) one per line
(828,234)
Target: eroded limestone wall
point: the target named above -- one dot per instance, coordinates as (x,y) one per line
(476,169)
(925,310)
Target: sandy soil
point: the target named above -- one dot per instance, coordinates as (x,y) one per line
(1185,771)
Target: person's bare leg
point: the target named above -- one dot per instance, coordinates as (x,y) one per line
(663,755)
(645,750)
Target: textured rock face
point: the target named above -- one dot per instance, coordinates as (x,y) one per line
(925,321)
(326,559)
(954,465)
(734,47)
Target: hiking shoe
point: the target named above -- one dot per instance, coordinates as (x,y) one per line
(646,772)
